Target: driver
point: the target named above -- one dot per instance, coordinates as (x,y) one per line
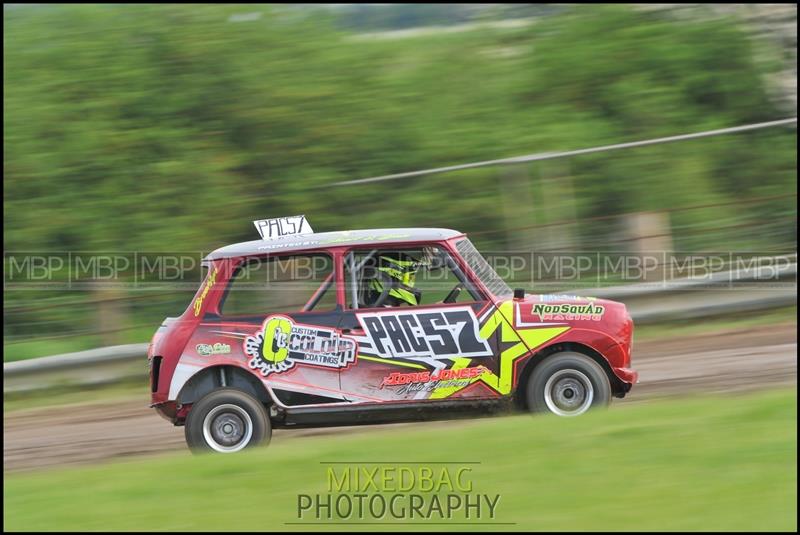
(398,270)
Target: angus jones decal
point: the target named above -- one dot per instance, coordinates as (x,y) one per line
(281,343)
(433,333)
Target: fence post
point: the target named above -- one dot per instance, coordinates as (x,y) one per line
(518,207)
(558,197)
(110,315)
(649,235)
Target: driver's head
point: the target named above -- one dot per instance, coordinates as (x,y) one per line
(400,271)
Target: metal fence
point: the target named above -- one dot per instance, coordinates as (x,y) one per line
(36,321)
(685,299)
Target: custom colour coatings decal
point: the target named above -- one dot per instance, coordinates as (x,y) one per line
(433,333)
(281,343)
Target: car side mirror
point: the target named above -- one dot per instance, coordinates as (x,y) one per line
(519,293)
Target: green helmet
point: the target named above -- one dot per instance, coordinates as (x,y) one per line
(399,271)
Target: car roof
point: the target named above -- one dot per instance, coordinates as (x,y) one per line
(324,240)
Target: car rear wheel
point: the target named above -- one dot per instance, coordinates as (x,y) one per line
(568,384)
(226,421)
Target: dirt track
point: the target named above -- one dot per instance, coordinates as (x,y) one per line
(763,357)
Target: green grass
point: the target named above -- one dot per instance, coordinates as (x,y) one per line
(714,463)
(32,349)
(57,346)
(786,315)
(127,390)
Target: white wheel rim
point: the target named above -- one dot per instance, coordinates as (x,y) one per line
(568,393)
(227,428)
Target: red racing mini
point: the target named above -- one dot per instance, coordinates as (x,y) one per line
(303,329)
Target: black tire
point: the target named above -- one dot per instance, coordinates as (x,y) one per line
(567,384)
(227,420)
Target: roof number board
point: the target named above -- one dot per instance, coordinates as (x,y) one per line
(280,227)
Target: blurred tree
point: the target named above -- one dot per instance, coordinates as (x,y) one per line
(168,128)
(162,127)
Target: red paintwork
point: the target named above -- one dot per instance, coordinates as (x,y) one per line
(610,336)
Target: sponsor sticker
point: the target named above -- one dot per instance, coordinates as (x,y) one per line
(285,245)
(280,344)
(198,303)
(567,311)
(400,379)
(433,333)
(213,349)
(550,298)
(346,236)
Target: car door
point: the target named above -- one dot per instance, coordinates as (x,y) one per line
(280,314)
(433,350)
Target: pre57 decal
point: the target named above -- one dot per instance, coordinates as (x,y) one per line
(435,333)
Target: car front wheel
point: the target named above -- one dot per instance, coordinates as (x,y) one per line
(227,420)
(568,384)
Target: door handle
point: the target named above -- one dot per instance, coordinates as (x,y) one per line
(352,331)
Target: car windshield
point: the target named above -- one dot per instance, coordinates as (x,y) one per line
(482,269)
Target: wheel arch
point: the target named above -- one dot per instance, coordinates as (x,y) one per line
(617,386)
(214,377)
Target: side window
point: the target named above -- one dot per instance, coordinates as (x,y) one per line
(281,284)
(377,278)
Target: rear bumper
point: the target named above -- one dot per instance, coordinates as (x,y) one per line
(168,410)
(627,375)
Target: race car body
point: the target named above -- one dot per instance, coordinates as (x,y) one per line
(298,330)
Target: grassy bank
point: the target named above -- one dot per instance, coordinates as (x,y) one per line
(709,325)
(716,463)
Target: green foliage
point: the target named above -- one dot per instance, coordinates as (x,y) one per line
(142,127)
(170,128)
(619,75)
